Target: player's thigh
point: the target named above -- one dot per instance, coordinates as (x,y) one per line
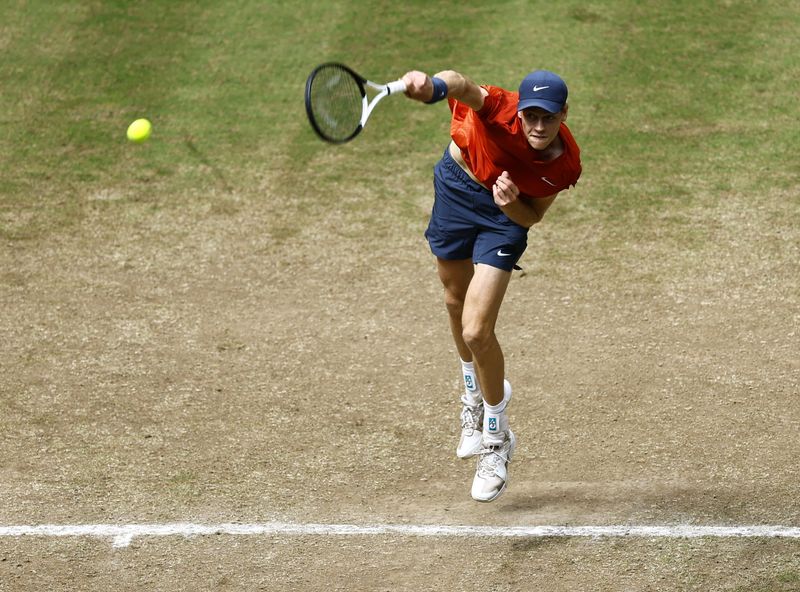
(455,275)
(484,297)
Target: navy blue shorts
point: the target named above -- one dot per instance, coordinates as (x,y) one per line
(466,223)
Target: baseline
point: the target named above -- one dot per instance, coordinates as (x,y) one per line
(122,534)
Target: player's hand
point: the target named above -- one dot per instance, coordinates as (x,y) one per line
(418,86)
(504,190)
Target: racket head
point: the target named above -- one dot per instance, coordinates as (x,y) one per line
(335,101)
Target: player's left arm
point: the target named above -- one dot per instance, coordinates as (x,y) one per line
(524,212)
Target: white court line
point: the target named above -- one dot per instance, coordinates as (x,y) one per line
(122,535)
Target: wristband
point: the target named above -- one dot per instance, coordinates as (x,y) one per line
(439,90)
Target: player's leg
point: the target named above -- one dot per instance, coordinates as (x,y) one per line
(481,308)
(455,276)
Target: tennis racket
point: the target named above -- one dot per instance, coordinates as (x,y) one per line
(337,103)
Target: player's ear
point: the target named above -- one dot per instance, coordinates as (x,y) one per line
(564,112)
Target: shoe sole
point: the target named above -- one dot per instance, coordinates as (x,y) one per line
(491,499)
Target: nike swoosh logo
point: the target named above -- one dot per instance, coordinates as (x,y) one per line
(501,254)
(538,88)
(548,181)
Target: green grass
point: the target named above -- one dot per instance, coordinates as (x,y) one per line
(783,581)
(788,577)
(675,104)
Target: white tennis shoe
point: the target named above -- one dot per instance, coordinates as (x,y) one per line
(491,476)
(471,428)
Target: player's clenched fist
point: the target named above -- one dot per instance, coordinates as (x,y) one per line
(504,190)
(418,85)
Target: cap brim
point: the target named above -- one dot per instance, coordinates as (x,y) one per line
(549,106)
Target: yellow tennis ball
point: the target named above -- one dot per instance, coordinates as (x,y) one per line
(139,130)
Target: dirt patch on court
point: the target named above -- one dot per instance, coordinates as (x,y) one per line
(225,365)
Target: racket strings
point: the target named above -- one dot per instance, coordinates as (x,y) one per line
(336,102)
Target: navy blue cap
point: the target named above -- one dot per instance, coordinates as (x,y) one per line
(542,89)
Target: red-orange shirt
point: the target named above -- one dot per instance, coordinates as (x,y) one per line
(492,141)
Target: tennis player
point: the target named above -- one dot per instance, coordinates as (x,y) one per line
(510,155)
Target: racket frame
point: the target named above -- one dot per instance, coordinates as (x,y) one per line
(367,106)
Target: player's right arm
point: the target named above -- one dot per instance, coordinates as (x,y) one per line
(419,86)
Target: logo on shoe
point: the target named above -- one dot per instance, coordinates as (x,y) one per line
(492,424)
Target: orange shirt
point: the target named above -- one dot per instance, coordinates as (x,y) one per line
(492,141)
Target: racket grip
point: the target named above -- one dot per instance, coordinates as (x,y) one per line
(397,86)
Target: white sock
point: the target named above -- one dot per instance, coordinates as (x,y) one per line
(472,390)
(495,420)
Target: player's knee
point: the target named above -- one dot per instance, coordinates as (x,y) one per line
(454,304)
(477,337)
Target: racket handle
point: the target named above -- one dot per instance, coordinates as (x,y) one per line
(397,86)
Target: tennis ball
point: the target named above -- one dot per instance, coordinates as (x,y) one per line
(139,130)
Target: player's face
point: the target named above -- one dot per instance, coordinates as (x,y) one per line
(540,126)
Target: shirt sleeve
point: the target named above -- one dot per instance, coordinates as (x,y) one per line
(493,103)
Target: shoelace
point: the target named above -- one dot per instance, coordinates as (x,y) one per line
(490,458)
(469,416)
